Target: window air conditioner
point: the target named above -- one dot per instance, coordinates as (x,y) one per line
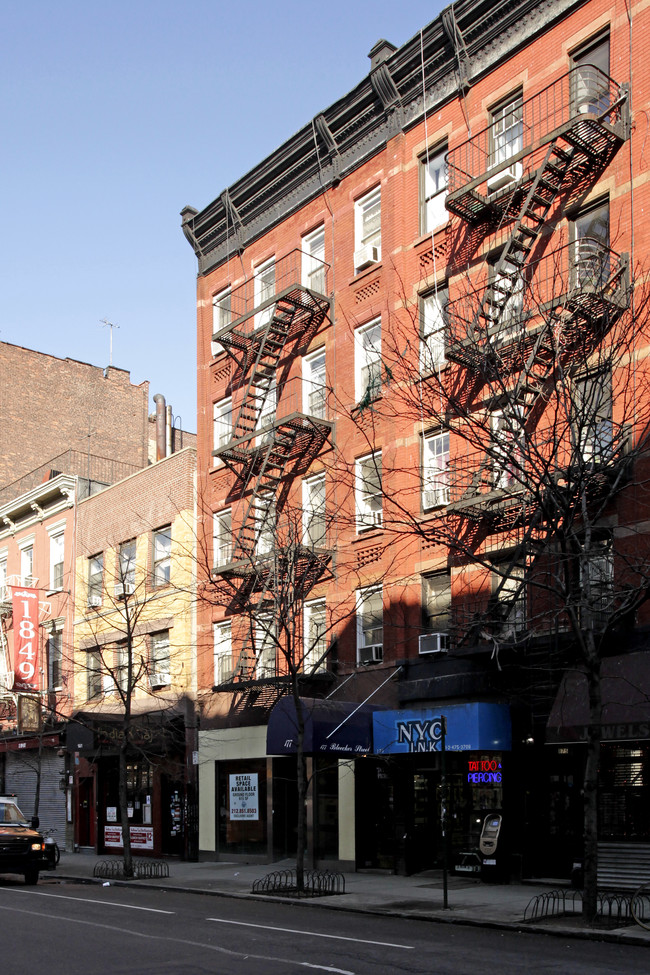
(433,643)
(372,655)
(123,589)
(159,680)
(365,256)
(371,519)
(504,177)
(435,497)
(94,599)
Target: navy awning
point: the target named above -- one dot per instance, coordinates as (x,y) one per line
(331,727)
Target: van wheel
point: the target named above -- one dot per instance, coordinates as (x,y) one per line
(31,876)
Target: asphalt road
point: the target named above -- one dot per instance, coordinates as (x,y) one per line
(70,929)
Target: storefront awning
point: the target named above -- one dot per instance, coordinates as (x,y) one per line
(625,689)
(474,726)
(331,727)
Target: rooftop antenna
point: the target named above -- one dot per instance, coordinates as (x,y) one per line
(111,325)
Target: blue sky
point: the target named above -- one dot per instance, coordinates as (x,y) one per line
(116,115)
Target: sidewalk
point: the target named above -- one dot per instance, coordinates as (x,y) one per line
(420,896)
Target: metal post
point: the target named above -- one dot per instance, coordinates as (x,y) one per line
(443,811)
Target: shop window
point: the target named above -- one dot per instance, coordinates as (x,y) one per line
(162,548)
(368,491)
(370,625)
(433,186)
(367,230)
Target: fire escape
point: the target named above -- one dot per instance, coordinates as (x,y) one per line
(275,431)
(541,303)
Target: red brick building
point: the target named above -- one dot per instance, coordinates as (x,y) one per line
(412,328)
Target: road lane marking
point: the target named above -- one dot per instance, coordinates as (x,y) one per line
(310,934)
(245,956)
(90,900)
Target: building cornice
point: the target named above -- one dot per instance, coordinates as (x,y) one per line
(465,42)
(37,505)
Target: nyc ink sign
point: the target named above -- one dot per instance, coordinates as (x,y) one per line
(470,727)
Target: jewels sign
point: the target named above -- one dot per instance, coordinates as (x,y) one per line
(24,604)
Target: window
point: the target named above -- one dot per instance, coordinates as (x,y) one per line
(367,361)
(315,642)
(313,505)
(508,449)
(367,230)
(121,666)
(313,261)
(162,549)
(590,234)
(314,388)
(223,667)
(55,658)
(264,290)
(435,470)
(510,590)
(597,583)
(506,140)
(27,565)
(268,401)
(56,560)
(433,184)
(221,317)
(125,585)
(368,491)
(222,416)
(590,77)
(94,682)
(507,304)
(433,322)
(222,537)
(370,626)
(265,647)
(159,673)
(264,524)
(436,609)
(592,406)
(95,579)
(4,594)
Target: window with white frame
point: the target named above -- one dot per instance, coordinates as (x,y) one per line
(95,579)
(264,524)
(162,556)
(436,612)
(125,584)
(55,657)
(368,491)
(314,384)
(221,317)
(222,423)
(265,647)
(223,663)
(367,361)
(507,285)
(27,563)
(433,186)
(94,676)
(508,442)
(222,538)
(313,506)
(116,676)
(313,261)
(160,662)
(435,470)
(57,549)
(506,141)
(4,593)
(433,323)
(314,640)
(590,77)
(263,291)
(268,406)
(367,230)
(591,255)
(370,625)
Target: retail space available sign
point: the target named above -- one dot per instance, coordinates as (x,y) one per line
(24,605)
(141,837)
(470,727)
(244,802)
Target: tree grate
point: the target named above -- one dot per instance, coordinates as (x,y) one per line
(317,883)
(612,910)
(113,869)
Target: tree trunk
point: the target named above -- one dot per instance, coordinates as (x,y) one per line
(590,863)
(301,781)
(124,815)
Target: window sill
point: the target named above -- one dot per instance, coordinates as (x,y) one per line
(364,273)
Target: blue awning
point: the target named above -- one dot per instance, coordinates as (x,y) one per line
(331,727)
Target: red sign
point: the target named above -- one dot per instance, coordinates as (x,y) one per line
(24,604)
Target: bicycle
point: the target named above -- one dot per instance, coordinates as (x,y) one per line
(640,905)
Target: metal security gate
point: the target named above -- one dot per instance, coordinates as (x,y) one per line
(20,780)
